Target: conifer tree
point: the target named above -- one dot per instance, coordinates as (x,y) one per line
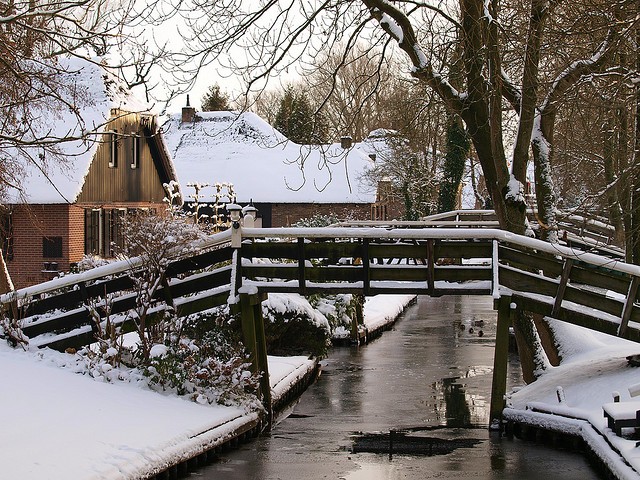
(215,100)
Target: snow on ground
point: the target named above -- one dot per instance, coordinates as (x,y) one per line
(383,309)
(58,424)
(593,367)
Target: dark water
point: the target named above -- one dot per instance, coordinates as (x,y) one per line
(429,380)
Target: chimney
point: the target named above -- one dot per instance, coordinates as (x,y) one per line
(188,113)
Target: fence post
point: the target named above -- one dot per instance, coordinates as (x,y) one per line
(255,341)
(500,361)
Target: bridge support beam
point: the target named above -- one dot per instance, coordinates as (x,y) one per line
(500,361)
(255,341)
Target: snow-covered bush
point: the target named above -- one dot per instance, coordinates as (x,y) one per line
(293,326)
(11,330)
(89,262)
(338,309)
(317,221)
(157,240)
(213,369)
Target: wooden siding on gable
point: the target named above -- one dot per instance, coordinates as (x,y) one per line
(123,183)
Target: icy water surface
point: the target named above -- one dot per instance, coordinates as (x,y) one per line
(428,381)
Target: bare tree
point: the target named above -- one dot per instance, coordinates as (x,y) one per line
(268,38)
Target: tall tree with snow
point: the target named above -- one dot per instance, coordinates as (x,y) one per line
(509,73)
(36,89)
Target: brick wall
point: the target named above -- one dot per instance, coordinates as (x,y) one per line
(30,224)
(33,222)
(284,214)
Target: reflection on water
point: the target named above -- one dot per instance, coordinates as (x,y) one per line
(430,374)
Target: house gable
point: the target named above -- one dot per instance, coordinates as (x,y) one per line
(129,164)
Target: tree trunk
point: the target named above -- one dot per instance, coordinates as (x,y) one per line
(613,202)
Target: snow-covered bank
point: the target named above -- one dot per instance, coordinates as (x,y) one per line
(593,367)
(381,310)
(58,424)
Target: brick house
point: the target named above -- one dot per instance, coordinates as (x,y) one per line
(285,181)
(77,209)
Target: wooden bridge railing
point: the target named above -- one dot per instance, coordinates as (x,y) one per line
(581,288)
(62,308)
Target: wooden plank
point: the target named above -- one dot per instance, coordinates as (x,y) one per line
(60,323)
(396,250)
(281,272)
(334,274)
(462,274)
(463,249)
(595,300)
(200,282)
(270,250)
(580,318)
(599,277)
(201,304)
(301,267)
(200,261)
(517,280)
(564,279)
(628,306)
(524,259)
(412,273)
(335,250)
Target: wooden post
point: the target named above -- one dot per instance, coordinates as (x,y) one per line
(500,360)
(255,341)
(359,320)
(365,266)
(302,284)
(248,328)
(430,268)
(628,306)
(564,280)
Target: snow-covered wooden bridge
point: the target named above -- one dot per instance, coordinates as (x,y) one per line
(441,257)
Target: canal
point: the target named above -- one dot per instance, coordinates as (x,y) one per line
(429,380)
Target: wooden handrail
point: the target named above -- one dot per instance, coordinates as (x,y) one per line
(511,264)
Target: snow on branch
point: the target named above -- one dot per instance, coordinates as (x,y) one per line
(397,25)
(577,69)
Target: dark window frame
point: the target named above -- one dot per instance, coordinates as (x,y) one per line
(52,247)
(113,149)
(134,151)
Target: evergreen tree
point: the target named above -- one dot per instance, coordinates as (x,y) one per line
(295,117)
(215,100)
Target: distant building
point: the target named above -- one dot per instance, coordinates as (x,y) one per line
(285,181)
(69,211)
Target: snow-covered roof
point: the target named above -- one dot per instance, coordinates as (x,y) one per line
(92,91)
(263,166)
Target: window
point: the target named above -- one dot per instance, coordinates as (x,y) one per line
(51,247)
(103,230)
(6,236)
(113,149)
(134,150)
(113,237)
(92,232)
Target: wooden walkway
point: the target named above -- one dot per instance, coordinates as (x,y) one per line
(465,258)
